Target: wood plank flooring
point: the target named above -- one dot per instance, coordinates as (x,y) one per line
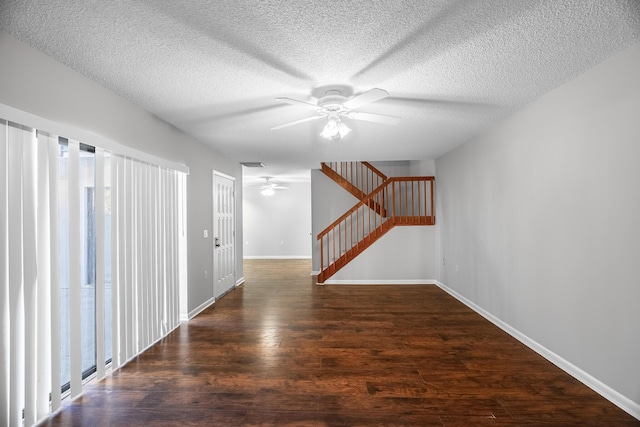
(280,350)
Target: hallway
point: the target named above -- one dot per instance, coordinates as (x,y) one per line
(280,350)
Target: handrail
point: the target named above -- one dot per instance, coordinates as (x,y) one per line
(359,178)
(375,170)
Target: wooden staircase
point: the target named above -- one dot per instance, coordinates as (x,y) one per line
(395,201)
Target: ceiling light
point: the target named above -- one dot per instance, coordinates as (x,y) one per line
(330,130)
(334,129)
(268,191)
(343,129)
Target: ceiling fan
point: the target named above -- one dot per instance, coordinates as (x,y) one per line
(335,106)
(269,189)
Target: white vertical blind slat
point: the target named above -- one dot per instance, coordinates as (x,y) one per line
(135,282)
(142,270)
(75,298)
(176,245)
(149,256)
(43,354)
(169,246)
(15,402)
(172,246)
(179,242)
(140,258)
(142,246)
(123,253)
(159,251)
(4,278)
(135,279)
(153,222)
(176,242)
(54,251)
(160,254)
(174,249)
(183,247)
(165,252)
(30,266)
(128,282)
(183,306)
(100,267)
(115,262)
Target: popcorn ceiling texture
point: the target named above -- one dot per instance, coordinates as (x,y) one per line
(212,68)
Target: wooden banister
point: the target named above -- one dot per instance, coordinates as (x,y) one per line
(358,178)
(375,170)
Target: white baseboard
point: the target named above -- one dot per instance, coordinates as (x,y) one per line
(277,257)
(596,385)
(315,273)
(380,282)
(193,313)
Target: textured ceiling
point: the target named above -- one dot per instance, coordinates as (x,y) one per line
(213,68)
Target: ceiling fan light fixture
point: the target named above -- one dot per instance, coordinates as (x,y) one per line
(334,129)
(334,105)
(268,191)
(330,130)
(343,130)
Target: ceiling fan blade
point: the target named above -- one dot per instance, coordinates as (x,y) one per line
(368,97)
(308,119)
(297,102)
(443,104)
(377,118)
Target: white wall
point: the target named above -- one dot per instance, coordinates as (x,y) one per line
(405,255)
(33,82)
(277,226)
(422,168)
(539,224)
(393,168)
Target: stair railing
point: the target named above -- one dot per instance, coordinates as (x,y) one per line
(359,178)
(412,200)
(404,201)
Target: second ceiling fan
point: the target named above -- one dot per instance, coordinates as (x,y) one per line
(335,106)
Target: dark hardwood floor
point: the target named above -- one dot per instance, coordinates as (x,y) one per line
(280,350)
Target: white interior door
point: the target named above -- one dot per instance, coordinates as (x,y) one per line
(223,234)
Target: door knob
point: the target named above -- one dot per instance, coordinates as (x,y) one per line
(217,242)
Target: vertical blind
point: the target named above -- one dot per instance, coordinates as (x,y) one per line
(139,221)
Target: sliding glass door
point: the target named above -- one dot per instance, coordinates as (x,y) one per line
(87,261)
(90,265)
